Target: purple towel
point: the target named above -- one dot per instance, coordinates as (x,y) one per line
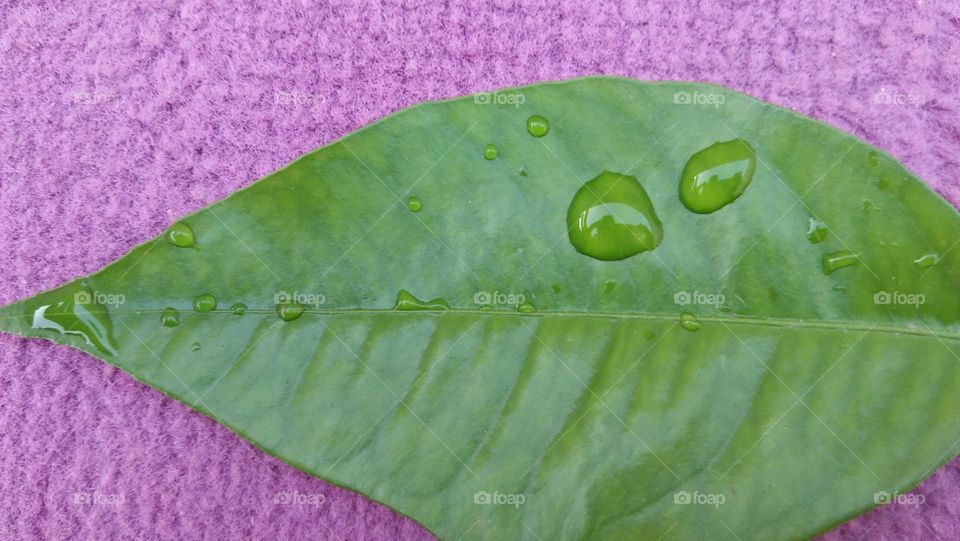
(117,117)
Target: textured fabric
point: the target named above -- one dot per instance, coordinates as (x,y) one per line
(117,117)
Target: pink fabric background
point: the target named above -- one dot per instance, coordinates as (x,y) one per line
(117,117)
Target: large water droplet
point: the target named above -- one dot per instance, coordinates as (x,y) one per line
(490,151)
(74,310)
(839,260)
(611,217)
(526,308)
(180,234)
(689,322)
(290,311)
(406,301)
(816,231)
(238,309)
(537,126)
(205,303)
(717,175)
(926,261)
(414,204)
(170,317)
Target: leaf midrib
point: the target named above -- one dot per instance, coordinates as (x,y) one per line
(833,325)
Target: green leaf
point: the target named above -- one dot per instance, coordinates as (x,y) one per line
(781,360)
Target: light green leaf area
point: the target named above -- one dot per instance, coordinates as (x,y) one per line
(784,358)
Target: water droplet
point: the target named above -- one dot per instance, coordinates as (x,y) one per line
(238,309)
(689,322)
(490,151)
(926,261)
(180,234)
(414,204)
(290,311)
(817,231)
(205,303)
(73,310)
(195,346)
(526,308)
(608,286)
(170,317)
(874,159)
(537,126)
(611,217)
(717,175)
(839,260)
(407,302)
(555,287)
(522,171)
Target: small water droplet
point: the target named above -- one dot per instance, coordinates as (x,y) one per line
(73,310)
(490,151)
(717,175)
(608,286)
(526,308)
(290,311)
(407,302)
(689,322)
(238,309)
(170,317)
(537,126)
(926,261)
(414,204)
(611,217)
(195,346)
(874,159)
(817,231)
(180,234)
(555,287)
(522,171)
(205,303)
(838,260)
